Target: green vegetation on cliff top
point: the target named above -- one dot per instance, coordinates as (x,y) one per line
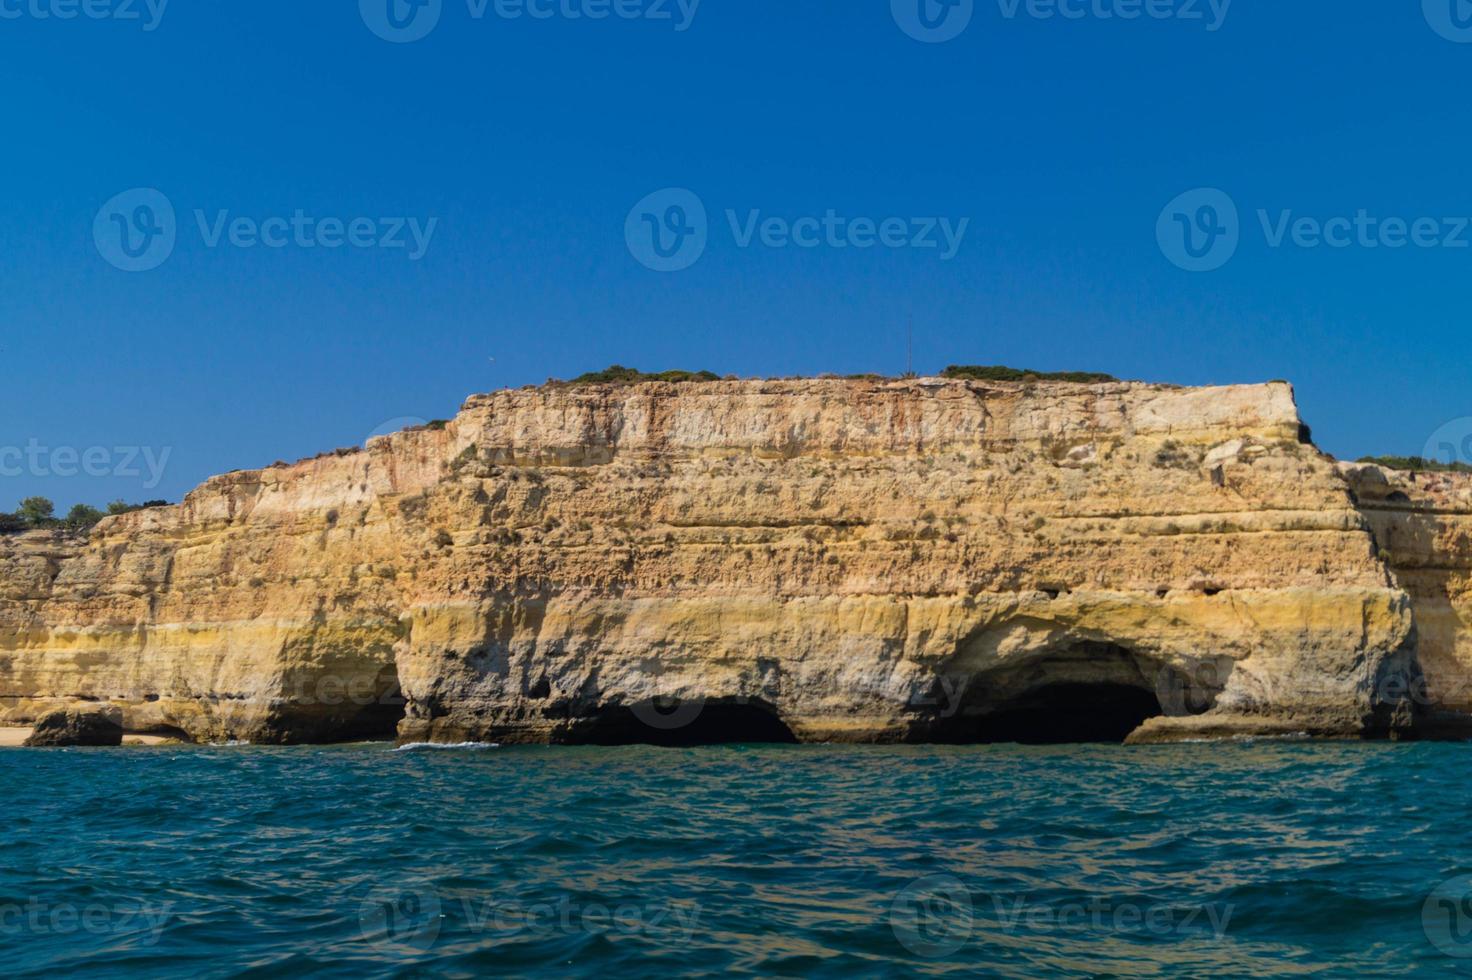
(38,513)
(1416,464)
(976,372)
(618,374)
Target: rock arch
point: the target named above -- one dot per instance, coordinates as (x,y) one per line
(1086,691)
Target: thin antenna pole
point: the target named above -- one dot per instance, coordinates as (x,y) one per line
(910,349)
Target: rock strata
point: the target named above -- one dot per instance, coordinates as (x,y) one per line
(1422,524)
(813,560)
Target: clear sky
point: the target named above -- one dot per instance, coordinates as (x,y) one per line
(527,142)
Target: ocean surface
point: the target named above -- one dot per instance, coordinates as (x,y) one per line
(1265,858)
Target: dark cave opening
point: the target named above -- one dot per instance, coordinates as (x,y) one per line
(375,718)
(683,724)
(1058,714)
(376,722)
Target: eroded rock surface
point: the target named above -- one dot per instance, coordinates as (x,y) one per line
(77,728)
(1423,530)
(825,559)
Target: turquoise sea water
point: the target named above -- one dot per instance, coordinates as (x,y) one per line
(1277,859)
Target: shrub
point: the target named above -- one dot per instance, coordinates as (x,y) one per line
(618,374)
(82,516)
(998,373)
(1416,464)
(123,507)
(37,511)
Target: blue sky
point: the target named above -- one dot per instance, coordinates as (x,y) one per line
(526,141)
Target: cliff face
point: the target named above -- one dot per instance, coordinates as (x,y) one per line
(825,559)
(1423,528)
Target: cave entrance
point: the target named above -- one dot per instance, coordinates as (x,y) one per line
(375,719)
(681,725)
(1085,692)
(1061,714)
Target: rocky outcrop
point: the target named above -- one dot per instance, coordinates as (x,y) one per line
(61,729)
(1422,524)
(815,559)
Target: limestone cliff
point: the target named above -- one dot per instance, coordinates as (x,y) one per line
(1423,527)
(820,559)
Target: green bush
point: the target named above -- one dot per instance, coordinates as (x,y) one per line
(37,511)
(1416,464)
(618,374)
(81,517)
(975,372)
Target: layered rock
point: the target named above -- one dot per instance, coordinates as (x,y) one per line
(838,560)
(1422,524)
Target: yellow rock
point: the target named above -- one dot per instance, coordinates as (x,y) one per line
(853,560)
